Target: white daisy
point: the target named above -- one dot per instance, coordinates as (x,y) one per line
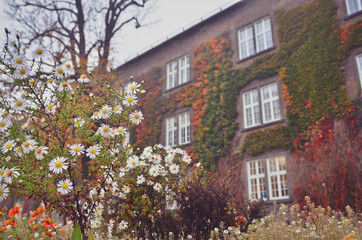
(105,112)
(39,53)
(4,192)
(136,117)
(77,149)
(21,72)
(187,159)
(9,174)
(50,108)
(18,61)
(156,158)
(58,164)
(19,104)
(9,145)
(78,122)
(95,116)
(5,123)
(105,130)
(65,86)
(126,189)
(174,168)
(3,75)
(118,109)
(19,151)
(132,87)
(140,179)
(157,187)
(65,186)
(123,225)
(122,172)
(154,171)
(133,162)
(40,151)
(60,72)
(29,145)
(121,131)
(83,79)
(93,151)
(129,100)
(68,66)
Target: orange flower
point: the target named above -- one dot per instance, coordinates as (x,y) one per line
(350,236)
(35,227)
(47,234)
(14,211)
(11,222)
(35,213)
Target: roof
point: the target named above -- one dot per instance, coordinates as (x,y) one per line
(179,32)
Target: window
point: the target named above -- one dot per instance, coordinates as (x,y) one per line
(178,72)
(267,178)
(178,130)
(268,104)
(359,66)
(353,6)
(255,38)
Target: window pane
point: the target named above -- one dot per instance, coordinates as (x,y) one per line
(270,103)
(185,128)
(359,66)
(354,6)
(274,185)
(246,42)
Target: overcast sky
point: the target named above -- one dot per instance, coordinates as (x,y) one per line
(168,17)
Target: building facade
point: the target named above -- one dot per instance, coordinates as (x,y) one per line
(262,48)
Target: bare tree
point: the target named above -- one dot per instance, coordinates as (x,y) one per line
(80,31)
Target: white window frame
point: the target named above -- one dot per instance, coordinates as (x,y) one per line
(275,115)
(267,30)
(264,178)
(178,129)
(359,67)
(184,72)
(278,173)
(263,34)
(184,128)
(172,74)
(249,40)
(349,10)
(258,176)
(171,131)
(254,116)
(178,72)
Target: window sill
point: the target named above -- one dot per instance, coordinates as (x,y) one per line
(262,125)
(256,55)
(352,15)
(178,86)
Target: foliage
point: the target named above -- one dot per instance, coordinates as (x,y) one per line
(37,224)
(308,222)
(271,138)
(327,166)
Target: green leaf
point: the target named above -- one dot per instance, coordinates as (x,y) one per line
(77,234)
(91,235)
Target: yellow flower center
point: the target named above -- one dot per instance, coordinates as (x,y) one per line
(32,81)
(96,113)
(50,107)
(5,114)
(58,164)
(19,149)
(22,71)
(116,108)
(19,60)
(19,103)
(2,71)
(129,99)
(2,124)
(51,80)
(23,95)
(38,150)
(136,115)
(83,76)
(133,87)
(9,173)
(39,51)
(9,146)
(104,110)
(92,150)
(60,70)
(26,144)
(77,149)
(65,186)
(79,123)
(67,65)
(120,130)
(105,129)
(1,172)
(1,193)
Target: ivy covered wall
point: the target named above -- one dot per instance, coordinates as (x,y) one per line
(309,61)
